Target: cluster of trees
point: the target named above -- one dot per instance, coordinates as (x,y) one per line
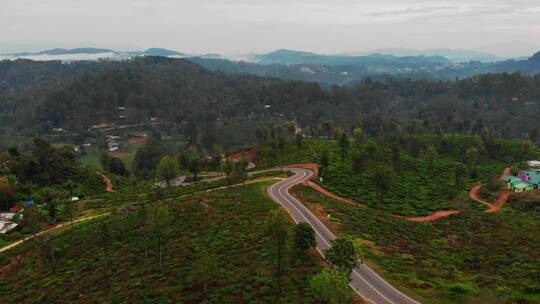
(329,286)
(390,166)
(22,173)
(212,107)
(153,157)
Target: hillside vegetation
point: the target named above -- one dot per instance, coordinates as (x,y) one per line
(473,257)
(207,107)
(420,173)
(215,249)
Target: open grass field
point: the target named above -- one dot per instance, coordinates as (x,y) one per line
(473,257)
(215,250)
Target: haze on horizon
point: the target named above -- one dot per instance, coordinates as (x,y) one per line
(234,27)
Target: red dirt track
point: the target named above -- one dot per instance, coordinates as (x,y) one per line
(503,196)
(108,182)
(315,169)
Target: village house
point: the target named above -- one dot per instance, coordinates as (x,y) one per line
(525,180)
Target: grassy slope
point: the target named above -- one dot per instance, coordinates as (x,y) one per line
(472,255)
(229,228)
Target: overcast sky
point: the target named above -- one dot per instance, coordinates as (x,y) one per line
(503,27)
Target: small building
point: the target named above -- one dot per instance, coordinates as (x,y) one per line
(521,187)
(524,181)
(6,222)
(533,164)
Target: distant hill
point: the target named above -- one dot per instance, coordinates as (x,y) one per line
(91,54)
(458,55)
(59,51)
(291,57)
(157,52)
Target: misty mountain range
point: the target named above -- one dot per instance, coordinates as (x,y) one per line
(328,70)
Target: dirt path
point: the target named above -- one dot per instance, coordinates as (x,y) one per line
(506,172)
(108,182)
(432,217)
(429,218)
(315,169)
(492,208)
(503,196)
(50,229)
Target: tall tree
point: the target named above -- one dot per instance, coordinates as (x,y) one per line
(331,287)
(50,196)
(206,268)
(526,148)
(227,166)
(104,239)
(195,167)
(6,192)
(325,160)
(371,148)
(359,161)
(343,144)
(471,159)
(239,173)
(430,155)
(304,237)
(276,225)
(217,155)
(396,159)
(143,226)
(460,170)
(382,179)
(299,140)
(342,254)
(159,224)
(168,169)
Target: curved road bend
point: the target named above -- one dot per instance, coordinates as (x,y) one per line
(364,281)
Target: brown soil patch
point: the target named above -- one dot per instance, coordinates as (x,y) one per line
(249,154)
(432,217)
(108,182)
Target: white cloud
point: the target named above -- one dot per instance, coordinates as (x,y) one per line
(239,26)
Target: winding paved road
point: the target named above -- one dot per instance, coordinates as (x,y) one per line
(364,281)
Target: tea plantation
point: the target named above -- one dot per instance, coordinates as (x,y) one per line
(473,257)
(214,249)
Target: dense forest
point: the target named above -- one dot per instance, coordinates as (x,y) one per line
(209,107)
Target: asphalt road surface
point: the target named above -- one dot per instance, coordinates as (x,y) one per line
(364,281)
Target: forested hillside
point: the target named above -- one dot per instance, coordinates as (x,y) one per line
(209,107)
